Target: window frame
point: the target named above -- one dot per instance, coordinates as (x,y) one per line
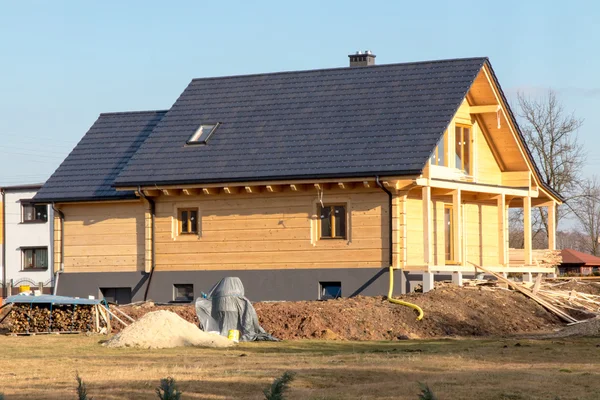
(469,146)
(194,140)
(433,160)
(332,217)
(179,299)
(35,220)
(323,284)
(180,212)
(449,235)
(34,249)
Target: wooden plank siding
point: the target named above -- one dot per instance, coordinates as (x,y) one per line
(271,231)
(103,237)
(1,222)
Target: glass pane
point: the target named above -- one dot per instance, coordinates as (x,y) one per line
(441,152)
(41,258)
(325,216)
(466,148)
(41,213)
(458,147)
(28,213)
(28,258)
(448,233)
(194,221)
(331,290)
(340,221)
(205,131)
(184,222)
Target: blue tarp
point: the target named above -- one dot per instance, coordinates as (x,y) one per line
(48,299)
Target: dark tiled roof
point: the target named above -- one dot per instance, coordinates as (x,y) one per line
(377,120)
(89,171)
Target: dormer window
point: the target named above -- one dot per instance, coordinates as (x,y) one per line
(203,133)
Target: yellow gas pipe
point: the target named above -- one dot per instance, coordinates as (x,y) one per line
(402,303)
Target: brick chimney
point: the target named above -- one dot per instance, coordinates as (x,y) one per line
(361,59)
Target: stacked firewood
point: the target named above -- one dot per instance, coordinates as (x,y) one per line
(25,318)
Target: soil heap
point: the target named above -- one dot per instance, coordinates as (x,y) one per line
(165,329)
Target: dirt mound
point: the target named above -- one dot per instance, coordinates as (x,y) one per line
(589,287)
(449,311)
(164,329)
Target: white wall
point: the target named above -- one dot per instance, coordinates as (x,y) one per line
(19,234)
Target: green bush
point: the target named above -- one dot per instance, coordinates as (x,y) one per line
(168,390)
(426,393)
(279,387)
(81,389)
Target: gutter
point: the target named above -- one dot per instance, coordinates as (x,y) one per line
(152,213)
(61,215)
(390,239)
(3,194)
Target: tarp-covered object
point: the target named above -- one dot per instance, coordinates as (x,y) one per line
(226,308)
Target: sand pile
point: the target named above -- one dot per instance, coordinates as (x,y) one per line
(164,329)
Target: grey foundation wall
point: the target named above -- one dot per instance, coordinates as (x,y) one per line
(260,285)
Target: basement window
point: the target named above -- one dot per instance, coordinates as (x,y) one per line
(202,134)
(330,290)
(119,295)
(183,292)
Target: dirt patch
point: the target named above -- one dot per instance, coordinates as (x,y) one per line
(164,329)
(450,311)
(579,286)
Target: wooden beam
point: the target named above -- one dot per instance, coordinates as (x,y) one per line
(457,226)
(552,226)
(368,184)
(502,232)
(297,188)
(494,108)
(171,192)
(231,189)
(252,189)
(321,186)
(191,192)
(527,230)
(472,187)
(152,192)
(427,227)
(345,185)
(273,188)
(210,190)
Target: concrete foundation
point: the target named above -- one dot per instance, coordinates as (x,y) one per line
(457,278)
(527,277)
(428,279)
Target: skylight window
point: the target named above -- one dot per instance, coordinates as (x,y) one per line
(202,134)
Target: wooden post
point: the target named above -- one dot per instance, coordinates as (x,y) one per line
(457,226)
(502,239)
(399,230)
(427,227)
(552,226)
(147,237)
(527,229)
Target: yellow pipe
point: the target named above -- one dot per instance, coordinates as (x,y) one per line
(402,303)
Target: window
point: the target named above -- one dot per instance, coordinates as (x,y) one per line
(439,155)
(449,233)
(183,292)
(463,148)
(35,258)
(117,295)
(330,290)
(332,220)
(35,212)
(202,134)
(188,221)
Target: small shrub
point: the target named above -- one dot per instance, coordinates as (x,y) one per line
(1,396)
(426,393)
(279,387)
(81,389)
(168,390)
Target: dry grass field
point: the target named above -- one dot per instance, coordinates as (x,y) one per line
(43,367)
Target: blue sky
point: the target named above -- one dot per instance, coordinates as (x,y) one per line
(64,62)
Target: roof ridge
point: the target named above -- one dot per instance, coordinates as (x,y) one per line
(483,59)
(133,112)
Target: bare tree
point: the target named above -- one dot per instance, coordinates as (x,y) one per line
(587,211)
(551,135)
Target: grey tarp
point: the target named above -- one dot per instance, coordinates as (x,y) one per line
(226,308)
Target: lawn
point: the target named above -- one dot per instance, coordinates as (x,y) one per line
(43,367)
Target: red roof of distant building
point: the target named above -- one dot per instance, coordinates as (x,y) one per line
(570,256)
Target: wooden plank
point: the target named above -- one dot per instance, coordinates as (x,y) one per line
(457,226)
(191,192)
(210,191)
(502,231)
(252,189)
(273,188)
(552,226)
(231,190)
(493,108)
(427,226)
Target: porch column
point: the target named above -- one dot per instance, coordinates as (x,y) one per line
(427,227)
(552,226)
(502,242)
(457,226)
(527,230)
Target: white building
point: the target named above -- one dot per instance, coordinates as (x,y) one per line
(26,252)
